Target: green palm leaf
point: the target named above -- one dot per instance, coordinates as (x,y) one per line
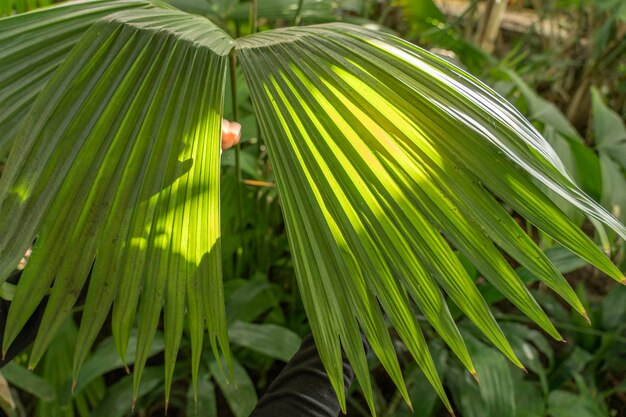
(386,159)
(109,167)
(33,45)
(8,7)
(311,10)
(378,148)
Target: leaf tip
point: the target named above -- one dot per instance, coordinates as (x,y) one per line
(475,375)
(586,316)
(623,281)
(343,407)
(5,345)
(410,405)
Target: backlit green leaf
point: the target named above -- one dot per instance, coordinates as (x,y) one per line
(33,45)
(134,115)
(379,149)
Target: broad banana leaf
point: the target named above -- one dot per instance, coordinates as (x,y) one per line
(386,157)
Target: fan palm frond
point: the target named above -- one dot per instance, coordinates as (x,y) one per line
(122,165)
(387,159)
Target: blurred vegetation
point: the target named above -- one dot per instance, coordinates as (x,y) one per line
(562,63)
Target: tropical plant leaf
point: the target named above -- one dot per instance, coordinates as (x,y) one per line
(496,394)
(211,9)
(8,7)
(203,402)
(106,358)
(421,14)
(563,403)
(609,132)
(613,186)
(312,10)
(386,157)
(542,110)
(270,339)
(118,400)
(578,159)
(247,302)
(239,392)
(33,45)
(134,114)
(24,379)
(56,370)
(378,146)
(425,399)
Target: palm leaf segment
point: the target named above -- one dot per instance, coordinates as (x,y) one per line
(119,157)
(7,7)
(385,156)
